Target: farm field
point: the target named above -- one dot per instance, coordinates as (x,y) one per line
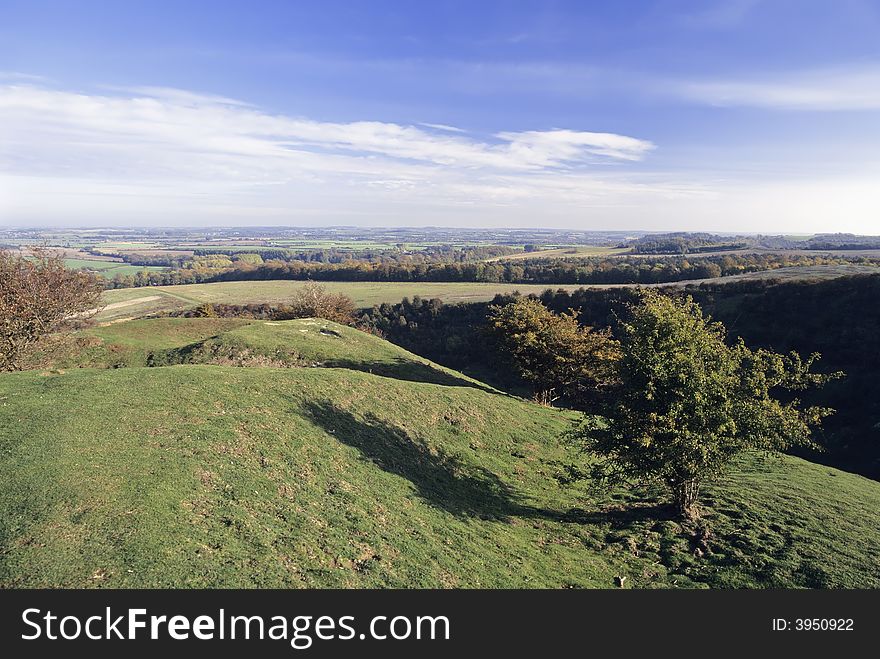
(140,301)
(793,273)
(137,302)
(368,467)
(123,246)
(109,269)
(573,251)
(104,267)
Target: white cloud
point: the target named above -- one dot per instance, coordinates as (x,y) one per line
(132,152)
(179,96)
(161,121)
(555,146)
(850,88)
(443,127)
(171,157)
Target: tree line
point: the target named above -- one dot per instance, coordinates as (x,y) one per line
(684,242)
(584,270)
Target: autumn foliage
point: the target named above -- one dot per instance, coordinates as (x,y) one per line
(39,297)
(313,300)
(553,351)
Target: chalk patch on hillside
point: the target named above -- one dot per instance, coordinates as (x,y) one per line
(130,303)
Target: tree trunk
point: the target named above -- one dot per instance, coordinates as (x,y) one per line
(545,397)
(687,494)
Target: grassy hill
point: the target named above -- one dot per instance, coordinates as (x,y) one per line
(234,342)
(377,469)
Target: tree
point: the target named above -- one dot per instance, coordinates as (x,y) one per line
(38,296)
(552,350)
(313,300)
(687,402)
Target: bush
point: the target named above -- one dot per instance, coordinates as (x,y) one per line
(313,300)
(39,297)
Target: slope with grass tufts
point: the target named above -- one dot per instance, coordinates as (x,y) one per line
(239,464)
(234,342)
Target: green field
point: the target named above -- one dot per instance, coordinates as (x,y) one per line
(574,251)
(365,466)
(136,302)
(332,244)
(109,269)
(796,273)
(355,245)
(116,246)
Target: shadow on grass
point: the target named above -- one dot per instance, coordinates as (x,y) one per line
(412,371)
(447,483)
(623,517)
(441,480)
(203,352)
(191,353)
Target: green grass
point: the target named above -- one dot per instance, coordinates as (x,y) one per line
(109,269)
(573,251)
(115,246)
(804,272)
(316,342)
(301,342)
(142,301)
(136,343)
(207,475)
(129,303)
(332,244)
(92,264)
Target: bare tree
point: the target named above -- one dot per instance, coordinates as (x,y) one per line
(39,297)
(313,300)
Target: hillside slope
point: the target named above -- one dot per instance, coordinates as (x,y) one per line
(224,341)
(212,475)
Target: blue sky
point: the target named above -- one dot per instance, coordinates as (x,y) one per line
(727,115)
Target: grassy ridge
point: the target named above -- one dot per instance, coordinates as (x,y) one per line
(207,475)
(131,344)
(227,341)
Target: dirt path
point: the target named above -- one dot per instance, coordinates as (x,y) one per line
(126,303)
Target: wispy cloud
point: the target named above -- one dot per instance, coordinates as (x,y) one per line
(140,149)
(184,121)
(159,156)
(844,88)
(443,127)
(568,145)
(178,96)
(16,76)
